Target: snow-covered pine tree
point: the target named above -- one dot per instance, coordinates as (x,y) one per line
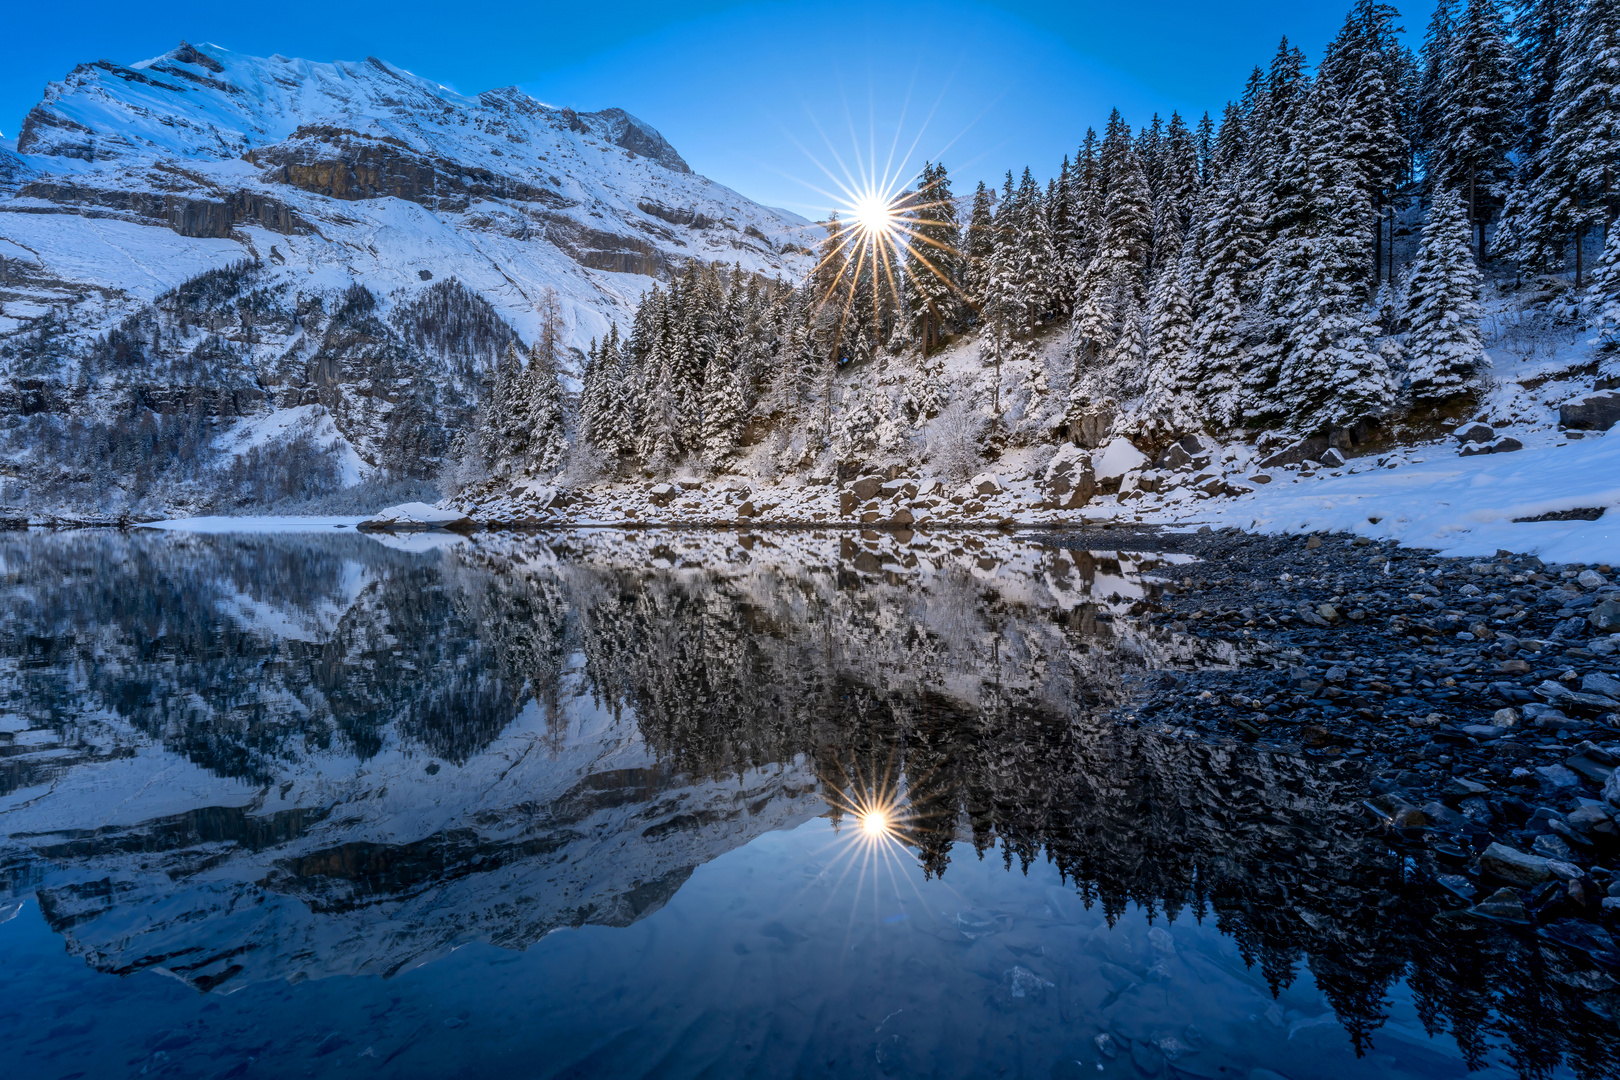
(501,409)
(1034,260)
(1533,231)
(1443,346)
(1127,353)
(1478,117)
(545,440)
(1361,63)
(1170,383)
(1435,65)
(722,409)
(1605,293)
(1583,147)
(934,257)
(602,413)
(1333,373)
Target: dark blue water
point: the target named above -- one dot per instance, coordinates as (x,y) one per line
(659,805)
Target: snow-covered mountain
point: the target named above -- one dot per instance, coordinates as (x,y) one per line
(338,251)
(128,180)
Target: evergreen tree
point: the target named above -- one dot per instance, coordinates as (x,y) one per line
(1333,373)
(722,410)
(1443,346)
(1171,382)
(1605,293)
(497,430)
(1584,143)
(544,441)
(1478,115)
(980,249)
(933,256)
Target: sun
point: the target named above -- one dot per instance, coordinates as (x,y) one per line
(874,215)
(875,823)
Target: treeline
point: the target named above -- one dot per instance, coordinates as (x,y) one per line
(1316,257)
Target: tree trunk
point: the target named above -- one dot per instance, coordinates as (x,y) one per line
(1378,241)
(1579,229)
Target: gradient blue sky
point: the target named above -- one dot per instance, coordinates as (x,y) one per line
(761,96)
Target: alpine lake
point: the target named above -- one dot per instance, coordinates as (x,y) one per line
(597,803)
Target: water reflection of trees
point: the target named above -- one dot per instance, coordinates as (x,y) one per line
(986,699)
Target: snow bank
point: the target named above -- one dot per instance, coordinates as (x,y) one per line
(1458,506)
(254,524)
(411,516)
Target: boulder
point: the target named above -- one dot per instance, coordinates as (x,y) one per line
(1069,481)
(1090,426)
(1308,450)
(1331,458)
(663,494)
(1475,433)
(847,502)
(867,488)
(1596,413)
(1117,459)
(985,484)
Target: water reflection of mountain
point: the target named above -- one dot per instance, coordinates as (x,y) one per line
(264,757)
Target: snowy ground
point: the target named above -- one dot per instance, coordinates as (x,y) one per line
(1428,497)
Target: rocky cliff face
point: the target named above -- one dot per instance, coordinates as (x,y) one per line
(128,182)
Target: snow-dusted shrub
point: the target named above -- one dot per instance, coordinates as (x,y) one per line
(954,448)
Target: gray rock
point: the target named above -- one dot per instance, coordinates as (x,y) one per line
(1596,413)
(1605,616)
(1503,905)
(1611,789)
(1591,579)
(1331,458)
(1475,433)
(1558,777)
(1598,683)
(1550,847)
(1508,864)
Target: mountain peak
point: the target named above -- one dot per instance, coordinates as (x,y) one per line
(189,54)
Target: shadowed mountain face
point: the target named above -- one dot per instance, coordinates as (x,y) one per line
(246,759)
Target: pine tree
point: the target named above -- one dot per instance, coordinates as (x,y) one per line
(1478,115)
(1333,373)
(1584,144)
(933,256)
(1605,293)
(1443,346)
(545,439)
(496,431)
(722,410)
(1170,381)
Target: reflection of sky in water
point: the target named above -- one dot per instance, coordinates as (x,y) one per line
(789,956)
(278,768)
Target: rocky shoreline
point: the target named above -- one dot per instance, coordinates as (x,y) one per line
(1483,696)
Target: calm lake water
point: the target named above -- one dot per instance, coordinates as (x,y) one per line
(605,804)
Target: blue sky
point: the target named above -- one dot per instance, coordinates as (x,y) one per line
(765,97)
